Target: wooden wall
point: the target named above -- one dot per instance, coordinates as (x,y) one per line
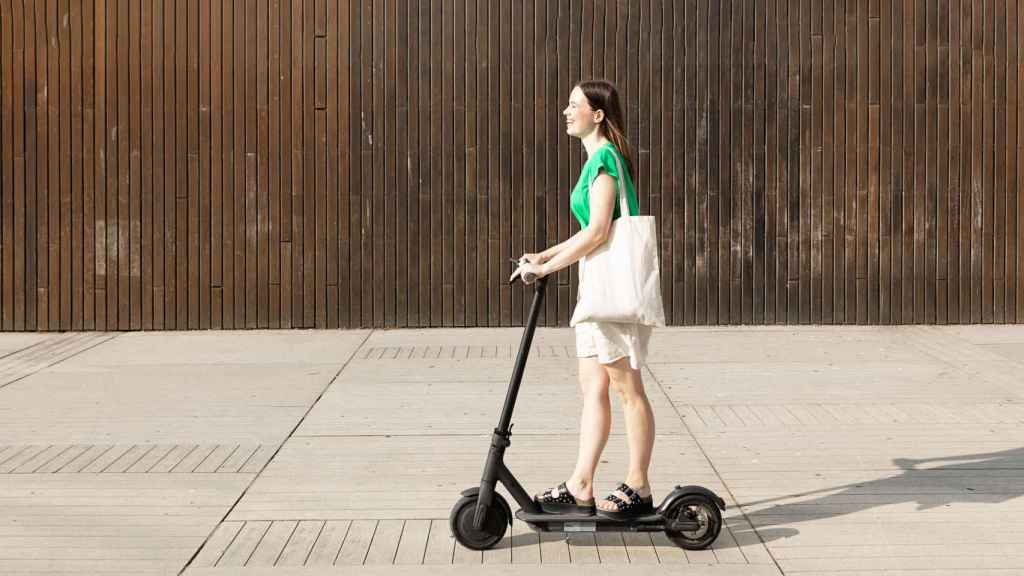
(183,164)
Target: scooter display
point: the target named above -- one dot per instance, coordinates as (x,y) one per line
(690,515)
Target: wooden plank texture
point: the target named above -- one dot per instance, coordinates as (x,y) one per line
(299,163)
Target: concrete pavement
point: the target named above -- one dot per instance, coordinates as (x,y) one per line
(840,450)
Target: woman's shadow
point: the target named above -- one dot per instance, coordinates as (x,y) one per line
(990,478)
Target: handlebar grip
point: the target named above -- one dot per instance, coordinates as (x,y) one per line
(526,277)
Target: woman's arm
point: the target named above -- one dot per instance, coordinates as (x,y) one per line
(602,204)
(539,258)
(551,252)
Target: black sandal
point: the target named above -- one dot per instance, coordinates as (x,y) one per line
(560,501)
(632,507)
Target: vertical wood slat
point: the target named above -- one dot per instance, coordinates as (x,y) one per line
(325,223)
(10,83)
(331,214)
(184,164)
(1019,316)
(955,183)
(389,173)
(215,165)
(204,203)
(882,43)
(1009,238)
(367,136)
(62,261)
(145,203)
(167,201)
(36,289)
(264,157)
(468,42)
(191,200)
(680,155)
(179,221)
(26,300)
(559,157)
(409,165)
(503,139)
(912,147)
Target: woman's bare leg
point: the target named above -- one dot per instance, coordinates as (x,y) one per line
(639,417)
(595,424)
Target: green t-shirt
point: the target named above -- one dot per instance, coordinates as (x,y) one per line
(603,160)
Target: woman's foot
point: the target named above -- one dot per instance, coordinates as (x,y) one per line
(565,500)
(627,502)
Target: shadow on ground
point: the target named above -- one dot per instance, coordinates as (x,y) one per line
(967,478)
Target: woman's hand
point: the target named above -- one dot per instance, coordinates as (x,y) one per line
(528,271)
(532,258)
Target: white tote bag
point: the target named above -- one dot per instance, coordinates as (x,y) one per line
(620,280)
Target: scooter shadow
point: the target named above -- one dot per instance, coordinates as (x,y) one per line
(530,539)
(968,478)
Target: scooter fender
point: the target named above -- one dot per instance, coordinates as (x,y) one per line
(681,491)
(470,492)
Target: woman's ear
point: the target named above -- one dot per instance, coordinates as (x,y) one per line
(598,116)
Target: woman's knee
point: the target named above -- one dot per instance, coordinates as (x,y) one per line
(625,381)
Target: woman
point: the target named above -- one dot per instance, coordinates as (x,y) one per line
(609,354)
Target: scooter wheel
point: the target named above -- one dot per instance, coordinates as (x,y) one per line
(492,531)
(694,508)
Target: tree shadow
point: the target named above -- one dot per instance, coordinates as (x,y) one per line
(967,478)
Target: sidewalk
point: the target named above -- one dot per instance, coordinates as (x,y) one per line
(839,450)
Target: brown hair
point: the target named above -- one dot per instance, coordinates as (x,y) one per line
(602,95)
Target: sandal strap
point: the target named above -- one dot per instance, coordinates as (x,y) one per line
(632,500)
(625,489)
(554,491)
(561,494)
(615,500)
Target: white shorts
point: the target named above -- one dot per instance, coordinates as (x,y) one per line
(610,341)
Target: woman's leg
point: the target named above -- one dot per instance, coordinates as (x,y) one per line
(595,423)
(639,418)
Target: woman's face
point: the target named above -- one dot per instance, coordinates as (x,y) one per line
(580,119)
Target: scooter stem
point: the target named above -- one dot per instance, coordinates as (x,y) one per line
(521,356)
(494,469)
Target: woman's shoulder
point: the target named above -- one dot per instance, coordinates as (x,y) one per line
(606,153)
(604,158)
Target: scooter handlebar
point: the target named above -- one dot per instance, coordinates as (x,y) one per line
(527,277)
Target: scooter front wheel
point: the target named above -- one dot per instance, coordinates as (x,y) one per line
(701,517)
(492,531)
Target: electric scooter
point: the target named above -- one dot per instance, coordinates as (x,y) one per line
(690,515)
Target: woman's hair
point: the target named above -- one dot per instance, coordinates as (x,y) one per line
(602,95)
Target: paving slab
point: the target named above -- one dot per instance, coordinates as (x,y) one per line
(106,524)
(431,396)
(12,343)
(421,476)
(122,453)
(154,404)
(261,347)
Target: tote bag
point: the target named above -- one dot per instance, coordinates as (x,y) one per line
(620,280)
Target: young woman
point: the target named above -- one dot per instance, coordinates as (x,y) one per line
(609,354)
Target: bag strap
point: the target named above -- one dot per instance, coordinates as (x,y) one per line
(623,203)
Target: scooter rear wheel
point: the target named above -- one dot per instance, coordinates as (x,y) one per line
(495,524)
(694,508)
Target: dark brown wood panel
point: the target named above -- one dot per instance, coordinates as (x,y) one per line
(182,164)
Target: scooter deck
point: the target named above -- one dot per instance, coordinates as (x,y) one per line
(545,518)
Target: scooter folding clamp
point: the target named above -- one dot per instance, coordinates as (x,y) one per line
(501,439)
